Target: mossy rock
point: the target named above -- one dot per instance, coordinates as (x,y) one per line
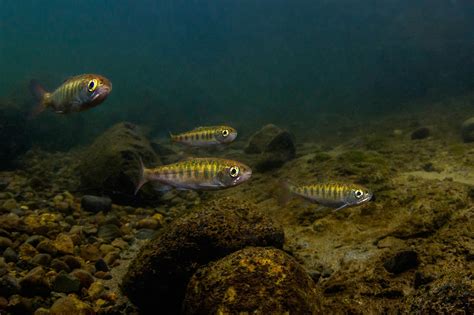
(158,276)
(111,164)
(450,295)
(253,280)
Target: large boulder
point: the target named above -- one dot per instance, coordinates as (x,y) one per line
(158,276)
(252,281)
(274,146)
(467,130)
(111,165)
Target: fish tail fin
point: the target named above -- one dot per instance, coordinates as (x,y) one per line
(142,180)
(41,96)
(285,193)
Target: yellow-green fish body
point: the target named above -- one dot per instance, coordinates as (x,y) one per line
(334,195)
(206,136)
(197,174)
(74,95)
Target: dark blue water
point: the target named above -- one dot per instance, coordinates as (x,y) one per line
(176,64)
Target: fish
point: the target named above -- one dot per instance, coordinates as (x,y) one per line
(206,136)
(332,195)
(76,94)
(195,174)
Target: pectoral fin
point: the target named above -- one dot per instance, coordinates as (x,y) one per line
(341,207)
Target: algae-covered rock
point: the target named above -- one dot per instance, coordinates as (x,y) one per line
(111,164)
(449,295)
(158,276)
(71,305)
(252,281)
(467,130)
(275,146)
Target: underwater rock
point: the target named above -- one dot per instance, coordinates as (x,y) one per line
(65,283)
(111,164)
(85,278)
(10,255)
(252,280)
(109,232)
(64,244)
(402,261)
(467,130)
(70,305)
(5,242)
(19,305)
(96,204)
(275,146)
(449,295)
(90,252)
(421,133)
(157,277)
(9,286)
(35,283)
(41,259)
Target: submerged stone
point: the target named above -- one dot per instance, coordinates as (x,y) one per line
(467,130)
(252,280)
(158,276)
(71,305)
(65,283)
(112,163)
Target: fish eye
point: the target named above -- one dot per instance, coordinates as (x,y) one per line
(92,85)
(234,171)
(225,133)
(358,193)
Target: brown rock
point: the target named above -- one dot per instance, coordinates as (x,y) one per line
(253,280)
(64,244)
(71,305)
(158,275)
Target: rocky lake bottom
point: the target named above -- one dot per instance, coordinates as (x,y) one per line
(75,240)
